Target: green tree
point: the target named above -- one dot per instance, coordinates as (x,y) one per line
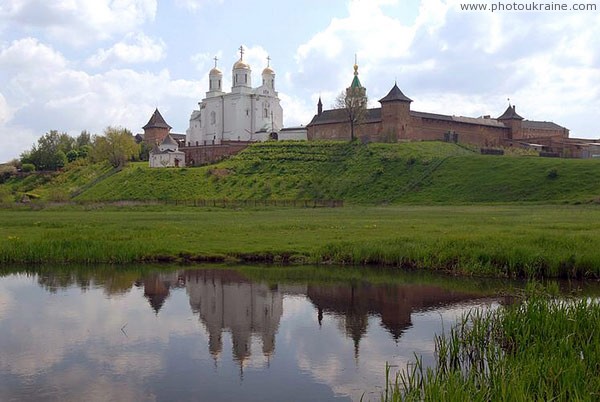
(83,139)
(50,151)
(72,155)
(116,146)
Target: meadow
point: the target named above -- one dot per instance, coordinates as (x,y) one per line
(488,240)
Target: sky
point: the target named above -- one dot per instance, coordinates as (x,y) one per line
(74,65)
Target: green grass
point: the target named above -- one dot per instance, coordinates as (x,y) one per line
(54,186)
(323,170)
(411,172)
(506,241)
(538,349)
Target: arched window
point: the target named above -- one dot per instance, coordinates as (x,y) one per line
(213,118)
(245,78)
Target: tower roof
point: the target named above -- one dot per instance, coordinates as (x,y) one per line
(215,70)
(510,114)
(355,81)
(395,95)
(268,69)
(241,64)
(169,141)
(157,121)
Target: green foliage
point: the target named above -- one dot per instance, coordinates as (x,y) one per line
(6,172)
(552,173)
(117,146)
(58,187)
(50,151)
(72,155)
(83,140)
(28,167)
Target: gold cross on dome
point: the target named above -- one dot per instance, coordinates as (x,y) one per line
(241,52)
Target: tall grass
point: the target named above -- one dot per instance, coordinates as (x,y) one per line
(502,241)
(542,348)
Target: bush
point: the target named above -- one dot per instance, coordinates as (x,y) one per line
(552,173)
(6,172)
(28,168)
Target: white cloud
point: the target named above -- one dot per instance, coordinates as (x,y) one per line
(42,92)
(296,111)
(5,111)
(195,5)
(28,55)
(79,21)
(134,48)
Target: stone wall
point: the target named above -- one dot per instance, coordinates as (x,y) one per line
(155,135)
(207,154)
(547,133)
(419,129)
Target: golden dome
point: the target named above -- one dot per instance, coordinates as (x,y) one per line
(241,64)
(215,71)
(268,70)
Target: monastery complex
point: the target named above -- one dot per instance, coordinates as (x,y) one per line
(226,122)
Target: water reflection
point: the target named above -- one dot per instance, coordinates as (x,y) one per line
(394,305)
(227,301)
(212,334)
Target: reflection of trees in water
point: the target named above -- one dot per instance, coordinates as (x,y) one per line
(112,281)
(394,304)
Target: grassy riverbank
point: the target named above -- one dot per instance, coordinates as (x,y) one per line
(507,241)
(540,349)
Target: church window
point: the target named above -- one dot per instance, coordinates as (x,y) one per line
(219,83)
(245,78)
(213,118)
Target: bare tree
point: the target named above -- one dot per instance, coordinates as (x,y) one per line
(354,102)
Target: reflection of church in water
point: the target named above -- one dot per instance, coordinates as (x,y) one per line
(228,302)
(353,304)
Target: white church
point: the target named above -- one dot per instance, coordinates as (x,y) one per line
(244,114)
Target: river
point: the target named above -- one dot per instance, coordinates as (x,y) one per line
(218,333)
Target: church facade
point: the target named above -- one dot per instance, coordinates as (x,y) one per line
(396,121)
(244,114)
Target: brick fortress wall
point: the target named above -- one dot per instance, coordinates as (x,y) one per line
(206,154)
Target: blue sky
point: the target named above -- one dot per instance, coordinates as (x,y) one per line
(73,65)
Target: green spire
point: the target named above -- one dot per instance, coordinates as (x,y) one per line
(355,80)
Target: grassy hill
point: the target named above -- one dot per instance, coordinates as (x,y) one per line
(414,172)
(56,186)
(329,170)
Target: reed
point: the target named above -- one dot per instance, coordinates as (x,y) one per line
(541,348)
